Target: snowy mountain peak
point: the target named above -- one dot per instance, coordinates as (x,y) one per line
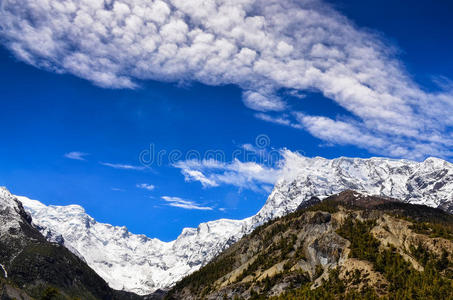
(8,208)
(141,265)
(6,197)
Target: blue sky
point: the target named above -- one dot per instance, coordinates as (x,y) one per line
(72,136)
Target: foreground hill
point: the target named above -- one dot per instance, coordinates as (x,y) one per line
(33,268)
(141,264)
(348,246)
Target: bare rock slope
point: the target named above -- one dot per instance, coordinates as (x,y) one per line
(350,245)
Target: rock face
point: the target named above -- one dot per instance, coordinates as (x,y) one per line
(31,266)
(350,243)
(141,264)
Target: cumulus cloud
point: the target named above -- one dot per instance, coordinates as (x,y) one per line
(181,203)
(122,166)
(76,155)
(146,186)
(262,46)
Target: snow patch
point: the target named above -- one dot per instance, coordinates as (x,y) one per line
(4,270)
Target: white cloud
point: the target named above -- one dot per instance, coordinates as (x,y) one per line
(76,155)
(338,131)
(146,186)
(195,175)
(258,101)
(181,203)
(212,173)
(122,166)
(246,175)
(262,46)
(281,120)
(350,132)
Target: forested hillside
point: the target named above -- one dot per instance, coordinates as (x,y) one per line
(348,246)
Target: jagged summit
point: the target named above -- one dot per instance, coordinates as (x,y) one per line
(142,265)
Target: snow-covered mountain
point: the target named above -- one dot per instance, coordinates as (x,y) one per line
(129,261)
(141,264)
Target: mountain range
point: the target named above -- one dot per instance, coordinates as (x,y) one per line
(142,265)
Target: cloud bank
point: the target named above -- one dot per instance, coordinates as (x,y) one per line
(268,48)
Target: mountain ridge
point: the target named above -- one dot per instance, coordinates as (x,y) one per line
(31,266)
(154,264)
(348,246)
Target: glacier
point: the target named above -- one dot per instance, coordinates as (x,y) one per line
(141,264)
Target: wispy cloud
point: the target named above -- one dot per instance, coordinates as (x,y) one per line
(261,46)
(122,166)
(181,203)
(117,189)
(212,173)
(76,155)
(245,175)
(195,175)
(146,186)
(280,120)
(340,132)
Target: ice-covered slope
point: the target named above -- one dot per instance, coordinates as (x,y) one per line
(429,182)
(129,261)
(140,264)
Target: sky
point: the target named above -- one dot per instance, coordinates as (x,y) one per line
(160,115)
